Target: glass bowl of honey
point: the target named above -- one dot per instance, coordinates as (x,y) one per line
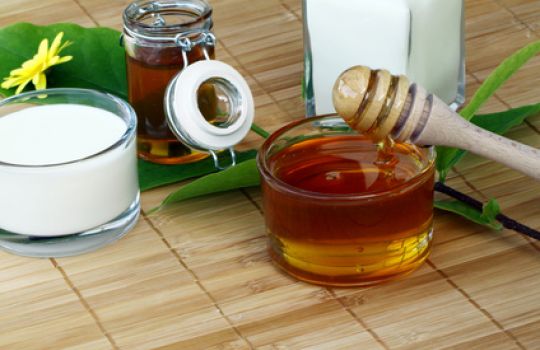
(342,209)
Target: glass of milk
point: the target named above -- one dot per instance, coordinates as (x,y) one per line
(68,172)
(423,39)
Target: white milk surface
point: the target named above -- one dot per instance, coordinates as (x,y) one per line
(60,199)
(419,38)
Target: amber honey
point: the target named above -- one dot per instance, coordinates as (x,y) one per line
(153,33)
(148,76)
(343,211)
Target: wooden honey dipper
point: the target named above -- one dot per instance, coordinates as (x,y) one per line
(379,104)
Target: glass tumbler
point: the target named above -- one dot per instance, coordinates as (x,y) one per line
(423,39)
(341,210)
(68,172)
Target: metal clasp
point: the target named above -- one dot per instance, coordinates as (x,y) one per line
(216,159)
(189,39)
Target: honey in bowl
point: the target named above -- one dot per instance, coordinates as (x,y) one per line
(342,210)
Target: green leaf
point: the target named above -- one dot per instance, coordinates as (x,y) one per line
(153,175)
(490,212)
(242,175)
(498,123)
(98,59)
(486,218)
(500,75)
(448,157)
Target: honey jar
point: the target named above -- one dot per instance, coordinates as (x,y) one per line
(161,38)
(341,209)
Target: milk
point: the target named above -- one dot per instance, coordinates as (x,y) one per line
(436,58)
(419,38)
(56,181)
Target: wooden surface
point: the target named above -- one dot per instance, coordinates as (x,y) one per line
(196,276)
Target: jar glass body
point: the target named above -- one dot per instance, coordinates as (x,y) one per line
(423,39)
(154,58)
(323,226)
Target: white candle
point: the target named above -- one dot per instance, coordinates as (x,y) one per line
(55,181)
(419,38)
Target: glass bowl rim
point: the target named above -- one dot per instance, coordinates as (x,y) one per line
(126,108)
(284,187)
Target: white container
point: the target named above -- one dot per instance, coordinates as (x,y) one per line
(422,39)
(68,171)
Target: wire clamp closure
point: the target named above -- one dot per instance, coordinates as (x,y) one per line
(188,40)
(182,106)
(216,159)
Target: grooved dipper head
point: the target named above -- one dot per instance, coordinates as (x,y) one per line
(350,90)
(370,101)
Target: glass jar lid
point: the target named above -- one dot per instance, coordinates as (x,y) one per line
(209,107)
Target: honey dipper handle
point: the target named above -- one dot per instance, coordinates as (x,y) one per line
(446,128)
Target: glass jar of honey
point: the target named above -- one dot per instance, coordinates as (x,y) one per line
(341,209)
(155,34)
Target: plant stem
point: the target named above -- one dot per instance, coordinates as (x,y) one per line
(507,222)
(259,131)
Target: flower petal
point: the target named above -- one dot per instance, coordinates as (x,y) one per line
(29,63)
(40,81)
(22,86)
(7,84)
(11,82)
(53,60)
(18,71)
(42,50)
(64,59)
(55,44)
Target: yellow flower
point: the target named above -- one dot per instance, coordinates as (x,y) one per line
(34,69)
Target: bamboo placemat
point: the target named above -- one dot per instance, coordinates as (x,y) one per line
(196,275)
